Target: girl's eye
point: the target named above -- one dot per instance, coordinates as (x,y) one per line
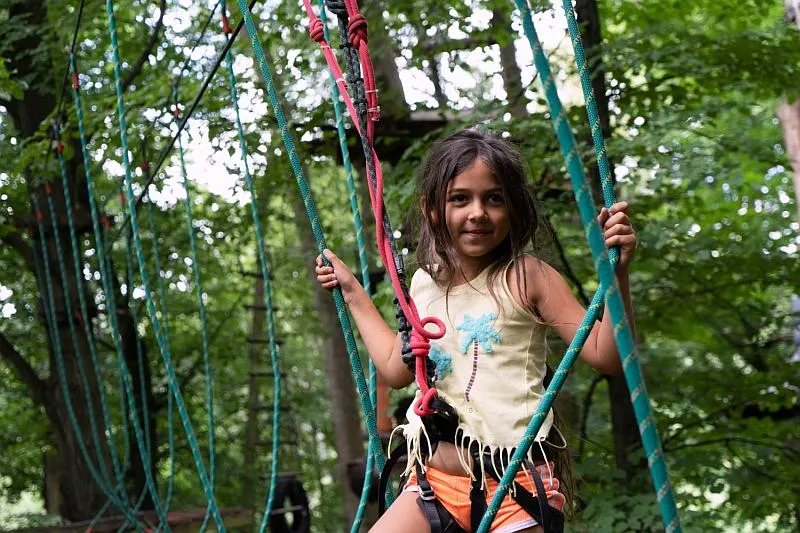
(496,198)
(458,198)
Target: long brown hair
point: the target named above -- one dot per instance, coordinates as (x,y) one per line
(436,253)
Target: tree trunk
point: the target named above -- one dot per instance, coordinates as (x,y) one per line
(789,116)
(69,487)
(512,75)
(623,419)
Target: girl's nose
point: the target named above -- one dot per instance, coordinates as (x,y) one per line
(478,212)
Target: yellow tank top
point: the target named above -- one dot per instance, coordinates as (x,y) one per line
(490,364)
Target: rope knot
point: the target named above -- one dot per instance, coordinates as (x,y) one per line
(317,30)
(358,30)
(76,84)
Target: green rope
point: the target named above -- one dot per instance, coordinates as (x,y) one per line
(362,255)
(266,276)
(104,273)
(50,315)
(316,227)
(201,307)
(83,308)
(170,370)
(140,366)
(608,288)
(162,296)
(633,371)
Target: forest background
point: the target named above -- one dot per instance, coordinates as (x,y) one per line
(698,106)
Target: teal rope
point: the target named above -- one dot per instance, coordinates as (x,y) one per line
(362,255)
(79,282)
(266,276)
(316,227)
(608,287)
(140,365)
(162,296)
(52,322)
(591,109)
(104,274)
(201,307)
(633,372)
(170,370)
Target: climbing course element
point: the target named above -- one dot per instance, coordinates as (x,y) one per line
(201,305)
(311,211)
(171,377)
(633,372)
(608,289)
(265,276)
(374,443)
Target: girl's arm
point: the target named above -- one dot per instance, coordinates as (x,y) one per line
(548,293)
(383,344)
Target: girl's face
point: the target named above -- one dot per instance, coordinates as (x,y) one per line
(476,215)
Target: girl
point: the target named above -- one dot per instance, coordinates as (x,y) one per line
(496,301)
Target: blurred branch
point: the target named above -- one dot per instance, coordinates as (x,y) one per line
(15,241)
(731,439)
(587,404)
(148,49)
(26,373)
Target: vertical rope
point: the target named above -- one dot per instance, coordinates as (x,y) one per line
(608,287)
(172,379)
(633,372)
(266,276)
(102,265)
(362,255)
(82,314)
(200,304)
(316,227)
(162,296)
(49,305)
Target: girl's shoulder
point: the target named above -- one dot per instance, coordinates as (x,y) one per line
(529,277)
(419,280)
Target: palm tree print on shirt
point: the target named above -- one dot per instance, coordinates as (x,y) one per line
(442,361)
(478,333)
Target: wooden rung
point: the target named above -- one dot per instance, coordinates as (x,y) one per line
(284,510)
(261,340)
(266,374)
(260,307)
(252,274)
(269,406)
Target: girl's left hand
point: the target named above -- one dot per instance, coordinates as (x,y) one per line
(618,231)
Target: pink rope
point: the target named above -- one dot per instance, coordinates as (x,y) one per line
(420,337)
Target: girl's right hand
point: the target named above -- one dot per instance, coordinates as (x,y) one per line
(336,275)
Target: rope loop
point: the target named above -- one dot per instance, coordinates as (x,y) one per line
(358,30)
(317,30)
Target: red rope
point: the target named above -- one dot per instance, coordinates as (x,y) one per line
(420,337)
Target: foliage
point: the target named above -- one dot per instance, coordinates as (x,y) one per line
(697,150)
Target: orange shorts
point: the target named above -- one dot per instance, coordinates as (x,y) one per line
(452,491)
